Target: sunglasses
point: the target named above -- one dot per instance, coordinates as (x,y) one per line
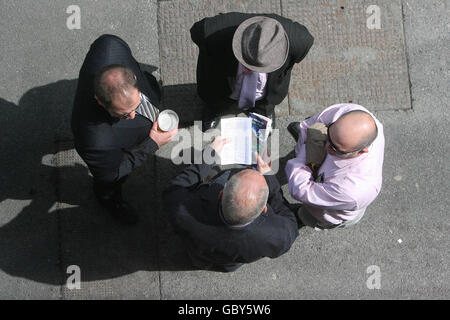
(333,146)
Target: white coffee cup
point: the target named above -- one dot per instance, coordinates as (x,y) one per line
(167,120)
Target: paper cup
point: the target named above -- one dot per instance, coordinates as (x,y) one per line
(167,120)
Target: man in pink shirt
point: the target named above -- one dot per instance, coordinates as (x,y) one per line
(349,179)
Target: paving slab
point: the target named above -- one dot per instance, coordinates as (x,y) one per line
(428,52)
(349,61)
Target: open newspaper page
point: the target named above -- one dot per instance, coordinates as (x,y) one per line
(239,150)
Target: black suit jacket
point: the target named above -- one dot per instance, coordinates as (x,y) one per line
(193,208)
(111,148)
(216,60)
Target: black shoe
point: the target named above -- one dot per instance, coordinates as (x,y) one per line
(295,208)
(121,211)
(294,130)
(209,120)
(210,124)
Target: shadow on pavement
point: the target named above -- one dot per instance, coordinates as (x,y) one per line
(58,222)
(184,100)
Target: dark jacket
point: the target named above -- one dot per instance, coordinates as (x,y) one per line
(216,60)
(193,208)
(111,148)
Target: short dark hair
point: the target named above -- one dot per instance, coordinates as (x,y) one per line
(105,91)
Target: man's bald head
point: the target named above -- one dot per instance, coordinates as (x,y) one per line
(353,131)
(115,83)
(244,197)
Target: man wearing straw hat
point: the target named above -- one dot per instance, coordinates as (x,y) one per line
(245,62)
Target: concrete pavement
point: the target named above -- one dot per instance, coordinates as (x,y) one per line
(49,219)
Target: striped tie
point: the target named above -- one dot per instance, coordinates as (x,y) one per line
(146,109)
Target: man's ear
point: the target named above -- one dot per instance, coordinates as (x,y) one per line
(365,150)
(220,194)
(99,102)
(264,210)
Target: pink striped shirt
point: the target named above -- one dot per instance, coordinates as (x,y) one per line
(348,185)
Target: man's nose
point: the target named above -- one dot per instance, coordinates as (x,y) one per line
(132,115)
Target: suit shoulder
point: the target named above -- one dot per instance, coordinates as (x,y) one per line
(224,21)
(94,135)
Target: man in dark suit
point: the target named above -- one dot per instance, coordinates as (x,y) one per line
(114,120)
(247,59)
(231,219)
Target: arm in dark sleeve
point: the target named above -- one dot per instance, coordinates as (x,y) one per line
(193,174)
(283,224)
(287,227)
(276,199)
(110,165)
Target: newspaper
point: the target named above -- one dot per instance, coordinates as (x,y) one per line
(248,135)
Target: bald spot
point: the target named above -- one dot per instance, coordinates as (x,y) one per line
(115,80)
(352,129)
(251,183)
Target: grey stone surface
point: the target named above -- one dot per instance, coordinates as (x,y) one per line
(349,61)
(49,219)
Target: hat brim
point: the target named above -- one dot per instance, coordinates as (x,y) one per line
(237,46)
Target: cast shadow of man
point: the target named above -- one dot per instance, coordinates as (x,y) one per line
(49,217)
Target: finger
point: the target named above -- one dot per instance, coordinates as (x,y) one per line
(259,160)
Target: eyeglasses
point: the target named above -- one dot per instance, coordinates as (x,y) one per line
(334,148)
(126,115)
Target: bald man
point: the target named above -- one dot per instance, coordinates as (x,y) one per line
(234,218)
(114,121)
(336,191)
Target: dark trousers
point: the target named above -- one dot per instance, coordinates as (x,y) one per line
(105,192)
